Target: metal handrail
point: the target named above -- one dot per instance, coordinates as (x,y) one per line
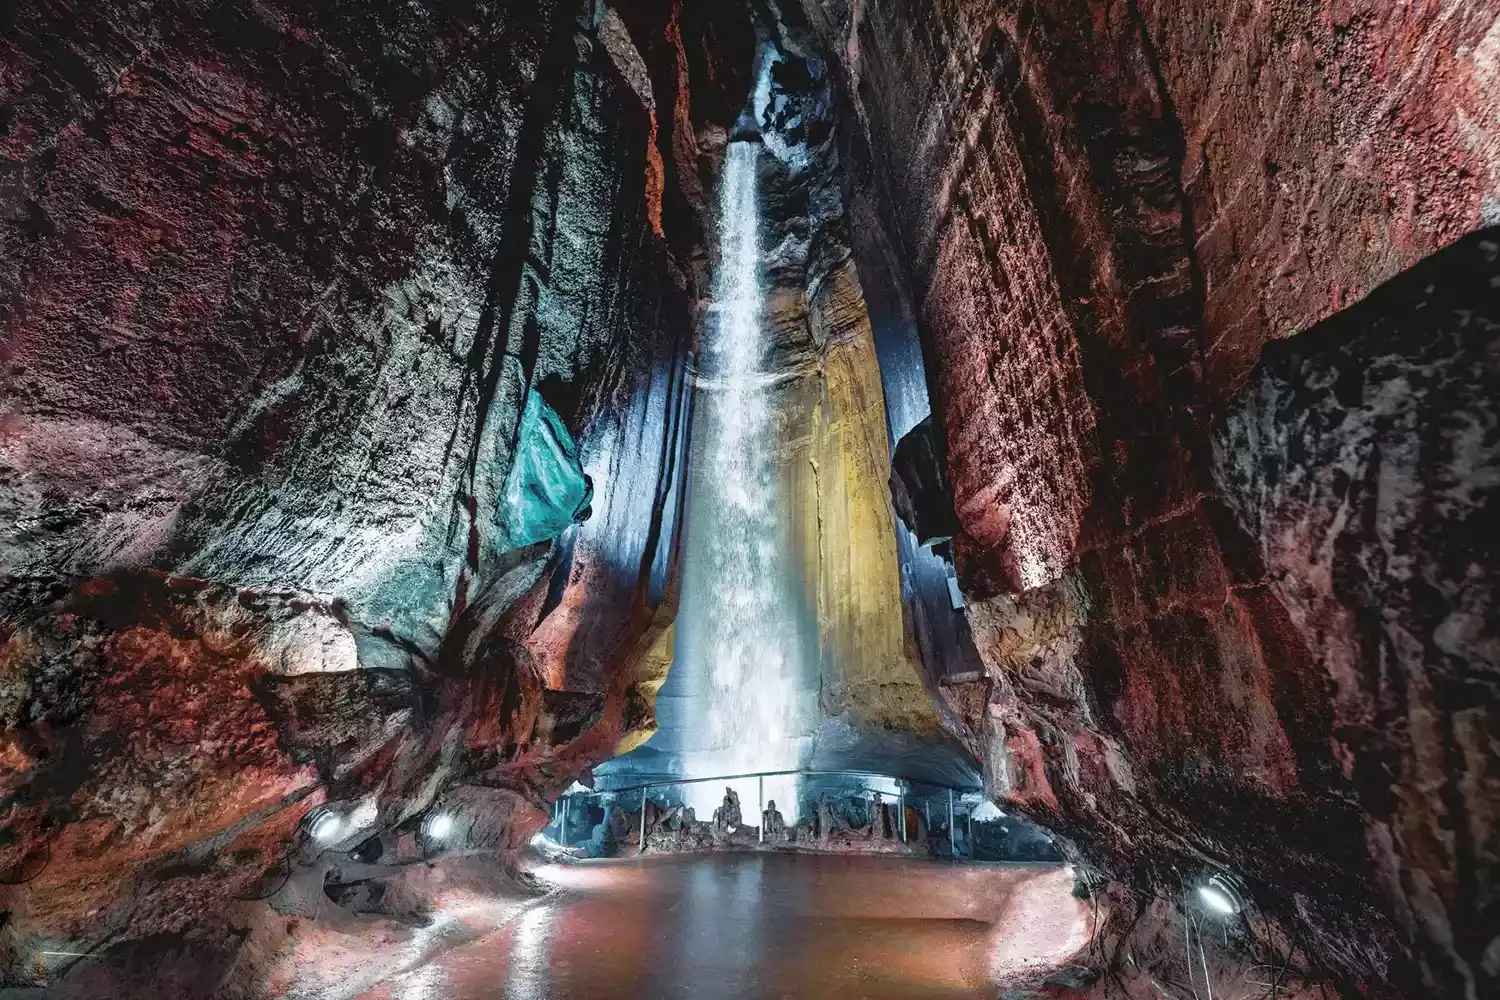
(672,782)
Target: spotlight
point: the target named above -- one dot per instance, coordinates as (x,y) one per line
(324,827)
(1219,896)
(439,827)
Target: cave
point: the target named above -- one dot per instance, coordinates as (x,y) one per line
(749,498)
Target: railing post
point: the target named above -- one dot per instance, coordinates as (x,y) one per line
(761,796)
(952,831)
(643,821)
(901,804)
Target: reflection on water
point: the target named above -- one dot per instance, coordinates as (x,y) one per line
(772,926)
(529,955)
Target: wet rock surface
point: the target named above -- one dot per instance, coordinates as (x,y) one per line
(1362,458)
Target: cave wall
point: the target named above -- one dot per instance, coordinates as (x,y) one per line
(276,283)
(1325,147)
(833,437)
(1101,213)
(871,670)
(1363,459)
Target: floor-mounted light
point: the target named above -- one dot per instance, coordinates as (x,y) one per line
(324,826)
(1220,897)
(438,827)
(367,812)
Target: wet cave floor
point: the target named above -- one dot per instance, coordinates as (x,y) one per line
(766,926)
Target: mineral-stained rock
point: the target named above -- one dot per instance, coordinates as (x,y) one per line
(277,280)
(870,669)
(276,283)
(340,720)
(832,429)
(1097,214)
(142,757)
(1256,683)
(1325,147)
(494,818)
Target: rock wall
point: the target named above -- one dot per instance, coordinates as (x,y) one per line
(1325,147)
(1100,213)
(1363,460)
(277,281)
(834,440)
(872,671)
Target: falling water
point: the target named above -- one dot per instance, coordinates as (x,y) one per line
(742,632)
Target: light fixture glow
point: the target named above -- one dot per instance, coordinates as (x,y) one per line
(325,828)
(1219,897)
(366,814)
(439,827)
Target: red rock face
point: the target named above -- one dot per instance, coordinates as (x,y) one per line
(142,742)
(1326,146)
(1104,211)
(1020,456)
(274,284)
(275,281)
(1036,200)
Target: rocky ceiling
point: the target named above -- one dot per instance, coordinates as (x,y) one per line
(1199,296)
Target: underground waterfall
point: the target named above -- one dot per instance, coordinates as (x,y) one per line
(1049,449)
(743,627)
(794,697)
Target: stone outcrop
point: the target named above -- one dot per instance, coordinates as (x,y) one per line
(773,824)
(1361,459)
(834,438)
(277,282)
(728,817)
(1077,309)
(1092,217)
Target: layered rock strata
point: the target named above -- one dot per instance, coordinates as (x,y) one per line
(1095,216)
(277,284)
